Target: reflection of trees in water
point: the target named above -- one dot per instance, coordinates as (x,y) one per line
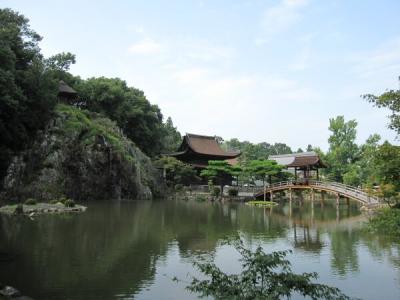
(113,249)
(344,255)
(306,239)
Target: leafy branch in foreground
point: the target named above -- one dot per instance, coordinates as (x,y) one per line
(264,276)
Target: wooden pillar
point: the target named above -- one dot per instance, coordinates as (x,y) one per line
(337,199)
(312,195)
(317,174)
(271,196)
(348,201)
(295,173)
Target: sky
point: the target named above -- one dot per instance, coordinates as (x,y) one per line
(262,71)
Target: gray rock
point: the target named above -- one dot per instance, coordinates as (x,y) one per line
(9,291)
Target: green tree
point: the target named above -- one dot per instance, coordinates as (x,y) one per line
(172,138)
(138,118)
(27,88)
(261,169)
(264,276)
(176,171)
(387,164)
(390,100)
(219,171)
(342,147)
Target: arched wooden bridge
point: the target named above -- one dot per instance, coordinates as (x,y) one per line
(332,187)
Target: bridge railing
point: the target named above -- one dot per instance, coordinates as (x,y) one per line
(334,186)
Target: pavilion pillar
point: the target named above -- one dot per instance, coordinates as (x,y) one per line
(337,199)
(295,173)
(271,195)
(312,196)
(317,174)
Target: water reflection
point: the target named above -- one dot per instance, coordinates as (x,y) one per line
(120,249)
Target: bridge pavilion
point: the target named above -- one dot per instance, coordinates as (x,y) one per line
(308,163)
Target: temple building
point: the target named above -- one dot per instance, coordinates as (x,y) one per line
(197,150)
(308,163)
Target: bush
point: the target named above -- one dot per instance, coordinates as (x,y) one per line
(69,203)
(179,187)
(200,198)
(30,201)
(19,209)
(386,221)
(263,276)
(233,192)
(54,201)
(216,191)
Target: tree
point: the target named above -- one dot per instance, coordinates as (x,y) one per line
(390,100)
(264,276)
(387,164)
(139,119)
(260,169)
(176,171)
(172,138)
(342,147)
(218,170)
(27,88)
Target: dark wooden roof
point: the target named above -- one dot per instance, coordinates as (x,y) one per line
(64,89)
(205,145)
(299,160)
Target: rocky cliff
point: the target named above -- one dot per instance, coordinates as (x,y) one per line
(83,156)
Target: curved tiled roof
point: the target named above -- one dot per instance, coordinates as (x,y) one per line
(299,160)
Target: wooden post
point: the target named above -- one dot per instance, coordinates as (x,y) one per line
(312,196)
(265,191)
(317,174)
(271,196)
(337,199)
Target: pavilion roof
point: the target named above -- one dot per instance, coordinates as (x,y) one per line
(64,88)
(299,160)
(203,144)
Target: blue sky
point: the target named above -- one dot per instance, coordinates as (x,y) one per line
(272,71)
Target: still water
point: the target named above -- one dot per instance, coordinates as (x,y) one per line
(132,250)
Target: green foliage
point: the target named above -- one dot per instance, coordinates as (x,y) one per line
(387,164)
(27,87)
(178,187)
(171,137)
(260,169)
(53,201)
(177,172)
(342,148)
(19,209)
(215,191)
(264,276)
(69,203)
(200,198)
(390,100)
(218,170)
(30,201)
(233,192)
(262,203)
(128,107)
(252,151)
(386,221)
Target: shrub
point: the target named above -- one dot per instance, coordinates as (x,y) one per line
(69,203)
(263,276)
(54,201)
(216,191)
(386,221)
(30,201)
(233,192)
(19,209)
(200,198)
(179,187)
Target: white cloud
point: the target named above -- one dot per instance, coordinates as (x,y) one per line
(145,47)
(280,18)
(385,59)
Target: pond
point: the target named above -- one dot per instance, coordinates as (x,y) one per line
(132,250)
